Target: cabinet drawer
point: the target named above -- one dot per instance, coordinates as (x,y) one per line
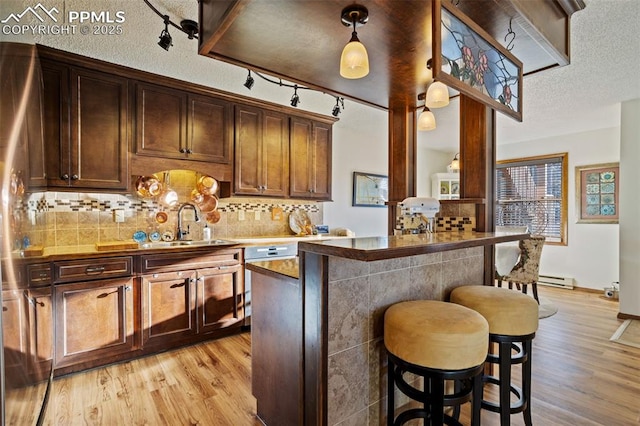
(39,274)
(193,260)
(93,269)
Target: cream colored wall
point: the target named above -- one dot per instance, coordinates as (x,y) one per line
(592,253)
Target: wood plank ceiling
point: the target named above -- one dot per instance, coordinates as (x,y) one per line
(301,40)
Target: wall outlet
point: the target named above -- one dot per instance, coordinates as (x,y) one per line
(118,215)
(240,214)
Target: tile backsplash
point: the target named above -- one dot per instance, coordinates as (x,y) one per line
(69,218)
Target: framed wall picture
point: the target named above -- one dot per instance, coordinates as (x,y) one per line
(597,193)
(370,190)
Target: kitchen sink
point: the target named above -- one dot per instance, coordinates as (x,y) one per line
(190,243)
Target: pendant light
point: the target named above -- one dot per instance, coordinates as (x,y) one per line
(354,62)
(426,120)
(437,93)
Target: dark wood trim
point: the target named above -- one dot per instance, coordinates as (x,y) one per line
(402,157)
(315,296)
(627,316)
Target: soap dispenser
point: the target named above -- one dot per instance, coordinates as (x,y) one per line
(206,232)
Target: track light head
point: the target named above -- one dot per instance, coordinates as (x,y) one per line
(336,108)
(295,99)
(165,38)
(249,81)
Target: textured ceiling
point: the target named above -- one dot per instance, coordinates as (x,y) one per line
(583,96)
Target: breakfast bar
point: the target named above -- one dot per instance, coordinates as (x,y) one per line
(324,330)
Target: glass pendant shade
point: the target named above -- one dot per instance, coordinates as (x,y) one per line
(354,62)
(426,120)
(437,95)
(455,165)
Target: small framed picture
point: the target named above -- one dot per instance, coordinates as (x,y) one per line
(597,193)
(370,190)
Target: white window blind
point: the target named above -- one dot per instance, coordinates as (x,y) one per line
(531,192)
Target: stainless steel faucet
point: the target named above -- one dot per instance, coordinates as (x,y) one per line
(181,233)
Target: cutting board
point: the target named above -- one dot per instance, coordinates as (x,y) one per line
(116,245)
(33,251)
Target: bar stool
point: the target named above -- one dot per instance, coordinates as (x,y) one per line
(513,322)
(437,341)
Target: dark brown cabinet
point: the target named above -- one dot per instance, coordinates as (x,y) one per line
(86,127)
(94,315)
(20,114)
(188,297)
(15,337)
(177,124)
(168,308)
(93,321)
(261,152)
(310,159)
(41,337)
(220,298)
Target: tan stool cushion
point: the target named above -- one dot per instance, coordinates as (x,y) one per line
(436,334)
(508,312)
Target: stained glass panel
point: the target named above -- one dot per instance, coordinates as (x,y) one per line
(471,61)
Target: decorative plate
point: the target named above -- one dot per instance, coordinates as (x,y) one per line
(300,223)
(140,236)
(154,236)
(167,236)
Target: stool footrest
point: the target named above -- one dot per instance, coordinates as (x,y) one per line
(516,407)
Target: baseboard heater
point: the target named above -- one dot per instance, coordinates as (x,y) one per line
(553,281)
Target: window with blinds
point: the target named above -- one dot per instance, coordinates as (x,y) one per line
(532,192)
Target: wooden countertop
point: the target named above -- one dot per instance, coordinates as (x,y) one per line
(389,247)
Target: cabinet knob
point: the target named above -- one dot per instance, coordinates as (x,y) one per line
(128,288)
(183,151)
(65,176)
(189,151)
(75,177)
(155,275)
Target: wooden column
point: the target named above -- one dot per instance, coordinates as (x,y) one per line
(477,167)
(402,156)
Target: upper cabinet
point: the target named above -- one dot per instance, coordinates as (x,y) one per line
(261,152)
(310,159)
(176,124)
(86,127)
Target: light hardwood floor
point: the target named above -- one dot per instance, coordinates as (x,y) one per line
(579,378)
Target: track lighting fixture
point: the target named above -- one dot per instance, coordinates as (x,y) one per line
(187,26)
(336,108)
(165,38)
(354,62)
(249,82)
(295,99)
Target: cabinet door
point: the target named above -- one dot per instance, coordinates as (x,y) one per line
(41,332)
(310,159)
(86,128)
(161,121)
(93,320)
(220,298)
(55,106)
(261,152)
(99,130)
(209,135)
(15,343)
(168,307)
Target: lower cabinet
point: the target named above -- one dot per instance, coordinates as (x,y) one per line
(220,298)
(168,307)
(40,314)
(93,321)
(15,338)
